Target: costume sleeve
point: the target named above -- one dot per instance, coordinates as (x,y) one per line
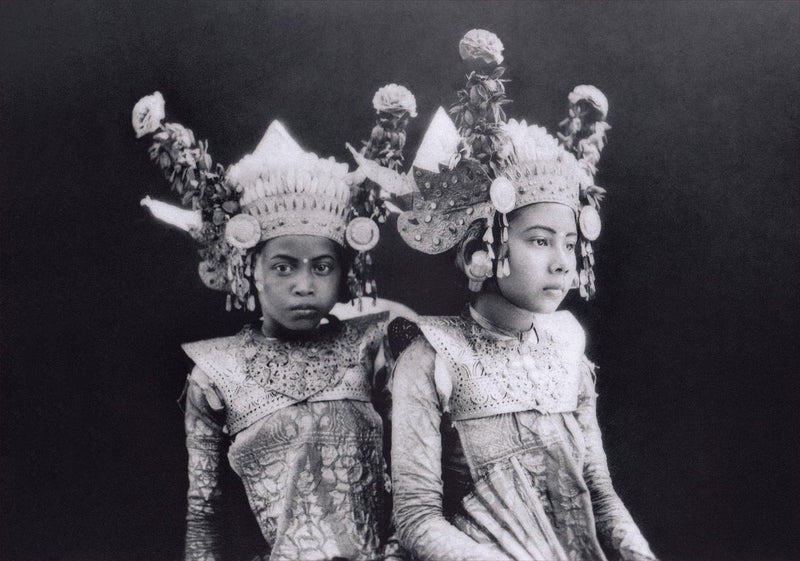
(417,464)
(205,444)
(616,529)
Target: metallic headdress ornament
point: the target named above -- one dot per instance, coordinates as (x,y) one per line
(285,190)
(278,190)
(487,167)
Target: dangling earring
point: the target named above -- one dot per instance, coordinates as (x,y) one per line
(259,286)
(576,282)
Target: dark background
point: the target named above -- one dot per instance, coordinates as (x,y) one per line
(695,327)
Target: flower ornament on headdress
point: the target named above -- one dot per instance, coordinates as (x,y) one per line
(279,189)
(394,106)
(148,114)
(482,167)
(480,47)
(395,100)
(479,113)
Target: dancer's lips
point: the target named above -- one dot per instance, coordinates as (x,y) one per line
(305,310)
(553,289)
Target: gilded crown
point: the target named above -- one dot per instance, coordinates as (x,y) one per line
(542,171)
(285,190)
(279,189)
(483,167)
(452,192)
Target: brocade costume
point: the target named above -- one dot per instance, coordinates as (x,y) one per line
(303,437)
(496,450)
(294,415)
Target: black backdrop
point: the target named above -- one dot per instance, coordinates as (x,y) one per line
(696,323)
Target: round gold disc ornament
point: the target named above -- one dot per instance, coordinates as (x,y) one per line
(243,231)
(503,195)
(362,234)
(589,222)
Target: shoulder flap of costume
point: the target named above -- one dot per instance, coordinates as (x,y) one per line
(370,328)
(218,358)
(446,334)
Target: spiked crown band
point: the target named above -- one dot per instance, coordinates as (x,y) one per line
(289,191)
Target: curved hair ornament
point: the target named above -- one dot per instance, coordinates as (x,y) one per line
(393,182)
(187,220)
(444,206)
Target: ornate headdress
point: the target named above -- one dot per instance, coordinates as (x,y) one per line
(482,167)
(278,190)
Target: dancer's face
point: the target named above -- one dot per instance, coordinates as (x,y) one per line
(297,279)
(541,253)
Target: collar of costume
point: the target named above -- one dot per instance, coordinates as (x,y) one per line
(520,334)
(493,375)
(257,375)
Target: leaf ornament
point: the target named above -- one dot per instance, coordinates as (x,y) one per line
(201,186)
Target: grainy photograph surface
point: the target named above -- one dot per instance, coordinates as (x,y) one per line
(580,221)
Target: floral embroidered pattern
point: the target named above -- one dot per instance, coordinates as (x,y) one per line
(205,444)
(313,476)
(492,376)
(313,468)
(258,376)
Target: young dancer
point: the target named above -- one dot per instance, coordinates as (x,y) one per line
(288,400)
(496,450)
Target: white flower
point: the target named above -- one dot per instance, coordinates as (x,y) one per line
(393,98)
(481,45)
(592,95)
(148,114)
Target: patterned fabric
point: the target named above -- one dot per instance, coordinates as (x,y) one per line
(313,474)
(258,376)
(313,469)
(521,483)
(205,444)
(491,376)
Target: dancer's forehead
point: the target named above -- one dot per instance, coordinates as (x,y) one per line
(300,247)
(550,217)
